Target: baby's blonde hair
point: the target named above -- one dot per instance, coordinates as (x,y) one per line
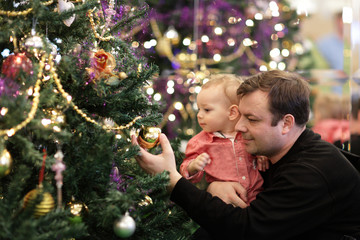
(229,83)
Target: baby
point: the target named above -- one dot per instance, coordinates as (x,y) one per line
(218,149)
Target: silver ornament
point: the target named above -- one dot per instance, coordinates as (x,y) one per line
(52,47)
(125,226)
(34,42)
(64,5)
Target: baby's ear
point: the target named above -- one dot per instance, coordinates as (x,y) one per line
(234,112)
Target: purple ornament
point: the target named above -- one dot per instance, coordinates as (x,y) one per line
(9,87)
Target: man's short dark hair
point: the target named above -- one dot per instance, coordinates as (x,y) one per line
(288,94)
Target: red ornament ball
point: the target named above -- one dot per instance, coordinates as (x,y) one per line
(14,64)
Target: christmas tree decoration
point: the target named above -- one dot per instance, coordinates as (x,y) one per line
(16,63)
(59,167)
(5,163)
(93,27)
(145,202)
(64,5)
(149,137)
(125,226)
(52,47)
(122,75)
(46,205)
(11,131)
(102,65)
(33,44)
(9,87)
(78,209)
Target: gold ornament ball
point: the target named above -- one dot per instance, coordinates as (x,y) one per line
(5,163)
(122,75)
(46,205)
(78,211)
(145,202)
(149,137)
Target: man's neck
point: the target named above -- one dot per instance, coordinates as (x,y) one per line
(289,143)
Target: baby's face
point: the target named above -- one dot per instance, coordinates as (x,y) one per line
(213,109)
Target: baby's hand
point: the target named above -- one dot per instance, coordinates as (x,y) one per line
(262,163)
(199,163)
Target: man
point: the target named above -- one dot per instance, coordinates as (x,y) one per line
(312,190)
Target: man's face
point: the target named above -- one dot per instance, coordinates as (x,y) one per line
(259,136)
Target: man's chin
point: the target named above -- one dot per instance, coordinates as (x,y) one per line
(250,149)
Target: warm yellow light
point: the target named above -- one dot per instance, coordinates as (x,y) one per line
(205,38)
(135,44)
(197,89)
(218,31)
(170,83)
(170,90)
(285,52)
(178,106)
(157,97)
(275,52)
(3,111)
(172,117)
(272,64)
(263,68)
(150,91)
(231,42)
(258,16)
(249,23)
(281,66)
(217,57)
(147,45)
(186,41)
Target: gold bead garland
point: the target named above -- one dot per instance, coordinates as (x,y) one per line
(92,23)
(31,115)
(22,13)
(76,108)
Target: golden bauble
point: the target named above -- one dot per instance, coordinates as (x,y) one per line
(146,202)
(79,210)
(5,163)
(149,137)
(122,75)
(46,205)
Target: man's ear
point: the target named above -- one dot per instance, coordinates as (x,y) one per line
(233,112)
(288,123)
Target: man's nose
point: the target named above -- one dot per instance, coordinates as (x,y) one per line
(240,126)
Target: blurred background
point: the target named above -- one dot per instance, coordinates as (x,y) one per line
(190,40)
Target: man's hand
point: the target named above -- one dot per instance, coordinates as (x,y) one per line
(230,192)
(154,164)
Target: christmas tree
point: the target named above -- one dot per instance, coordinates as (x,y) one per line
(72,93)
